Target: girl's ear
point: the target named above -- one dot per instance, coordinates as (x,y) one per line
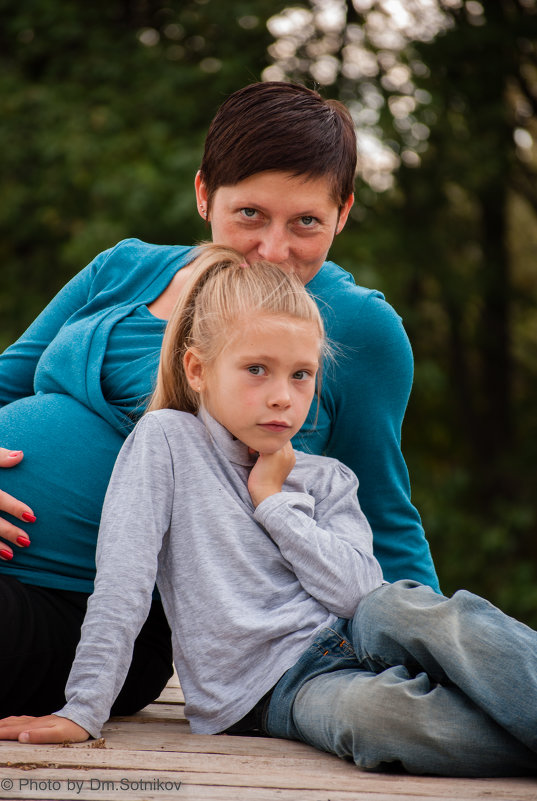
(194,370)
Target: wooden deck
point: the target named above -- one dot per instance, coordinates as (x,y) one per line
(153,757)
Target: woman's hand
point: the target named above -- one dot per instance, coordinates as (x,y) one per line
(12,506)
(269,473)
(45,729)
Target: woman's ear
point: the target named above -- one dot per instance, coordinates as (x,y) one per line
(344,213)
(201,196)
(194,370)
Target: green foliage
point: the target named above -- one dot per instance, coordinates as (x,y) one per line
(104,111)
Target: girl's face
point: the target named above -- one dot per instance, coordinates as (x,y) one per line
(262,384)
(278,217)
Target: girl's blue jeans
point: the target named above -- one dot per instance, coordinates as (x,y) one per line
(419,682)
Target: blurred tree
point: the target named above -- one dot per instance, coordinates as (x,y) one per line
(104,111)
(444,96)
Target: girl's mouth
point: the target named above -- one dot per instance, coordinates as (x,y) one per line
(275,425)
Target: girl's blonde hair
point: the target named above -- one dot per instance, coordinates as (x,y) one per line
(221,291)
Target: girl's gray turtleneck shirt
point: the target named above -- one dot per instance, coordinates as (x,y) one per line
(245,590)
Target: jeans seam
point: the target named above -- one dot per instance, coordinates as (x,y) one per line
(323,647)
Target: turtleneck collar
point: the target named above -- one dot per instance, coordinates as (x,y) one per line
(234,450)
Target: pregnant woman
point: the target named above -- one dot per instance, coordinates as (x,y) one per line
(275,183)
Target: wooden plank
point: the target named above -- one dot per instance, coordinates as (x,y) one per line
(109,784)
(167,735)
(106,786)
(236,771)
(171,695)
(232,769)
(153,756)
(173,681)
(155,712)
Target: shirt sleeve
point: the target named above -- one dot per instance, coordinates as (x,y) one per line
(327,542)
(136,516)
(373,379)
(18,362)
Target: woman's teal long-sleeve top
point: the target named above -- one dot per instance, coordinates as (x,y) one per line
(73,385)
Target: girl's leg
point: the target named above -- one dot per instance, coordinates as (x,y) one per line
(40,632)
(393,719)
(462,641)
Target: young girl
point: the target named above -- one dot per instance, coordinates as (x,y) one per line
(280,618)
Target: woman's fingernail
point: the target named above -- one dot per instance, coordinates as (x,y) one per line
(6,554)
(28,517)
(13,454)
(24,541)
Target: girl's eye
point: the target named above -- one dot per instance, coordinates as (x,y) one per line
(301,375)
(256,369)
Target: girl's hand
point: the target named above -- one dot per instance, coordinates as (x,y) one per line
(14,507)
(269,473)
(45,729)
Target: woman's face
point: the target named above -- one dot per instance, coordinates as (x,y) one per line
(275,216)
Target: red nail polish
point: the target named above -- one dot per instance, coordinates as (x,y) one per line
(29,518)
(24,541)
(6,554)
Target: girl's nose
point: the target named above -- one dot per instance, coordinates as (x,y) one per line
(280,397)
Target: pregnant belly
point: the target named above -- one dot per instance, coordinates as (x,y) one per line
(69,453)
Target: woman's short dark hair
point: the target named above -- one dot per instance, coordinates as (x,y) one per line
(284,127)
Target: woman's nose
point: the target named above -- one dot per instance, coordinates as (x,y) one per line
(274,245)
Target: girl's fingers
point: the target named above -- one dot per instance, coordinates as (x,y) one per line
(53,729)
(9,458)
(46,729)
(268,474)
(11,727)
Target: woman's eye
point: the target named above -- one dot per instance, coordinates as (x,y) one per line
(247,212)
(256,369)
(308,221)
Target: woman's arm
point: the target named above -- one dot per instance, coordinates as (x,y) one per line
(369,387)
(18,362)
(17,369)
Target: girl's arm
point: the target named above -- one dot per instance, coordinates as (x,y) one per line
(136,515)
(328,542)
